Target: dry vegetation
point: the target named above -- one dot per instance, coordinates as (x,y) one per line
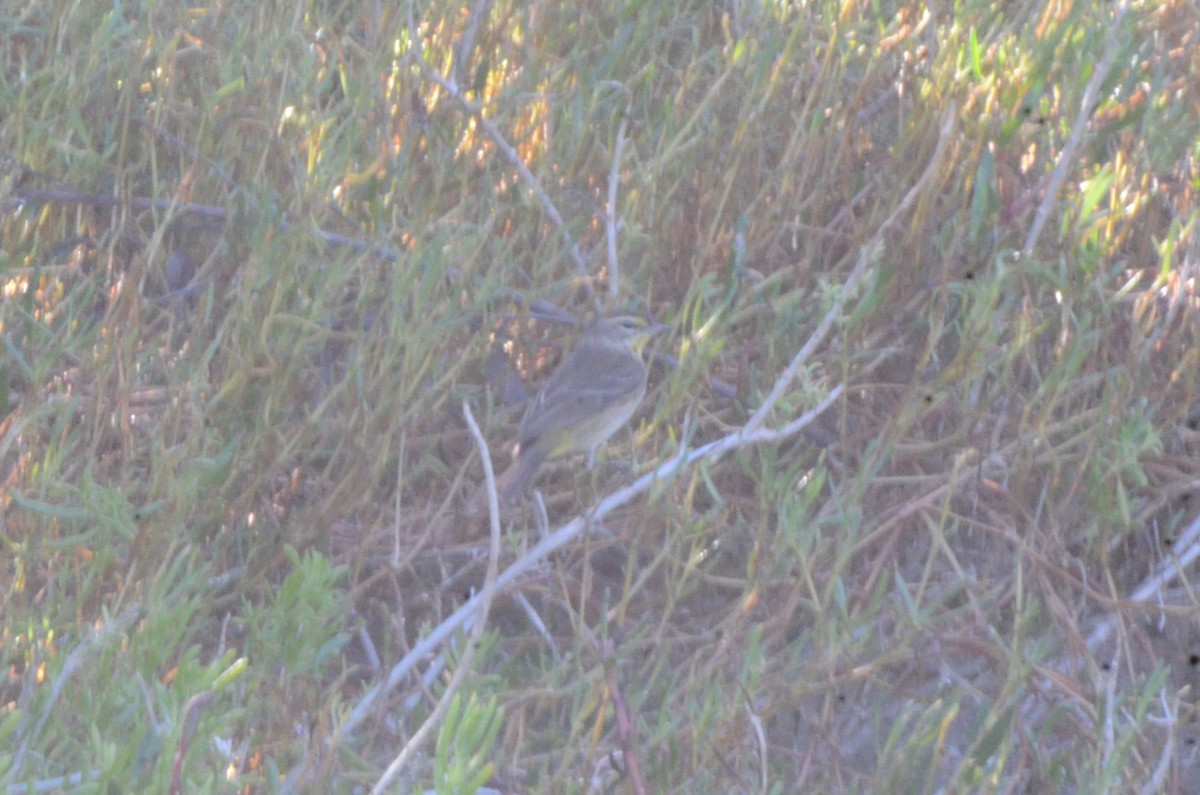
(256,258)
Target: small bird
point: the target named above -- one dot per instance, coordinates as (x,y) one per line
(592,393)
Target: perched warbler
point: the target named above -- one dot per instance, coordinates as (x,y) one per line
(592,393)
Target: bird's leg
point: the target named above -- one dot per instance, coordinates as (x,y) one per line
(591,465)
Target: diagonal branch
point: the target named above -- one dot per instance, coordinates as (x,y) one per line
(752,433)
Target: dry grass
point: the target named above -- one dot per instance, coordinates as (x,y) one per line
(256,259)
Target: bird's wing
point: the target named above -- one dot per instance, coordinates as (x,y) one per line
(580,389)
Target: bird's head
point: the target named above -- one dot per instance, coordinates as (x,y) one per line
(627,331)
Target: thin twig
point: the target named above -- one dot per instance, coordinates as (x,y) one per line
(22,196)
(1086,107)
(1162,769)
(191,722)
(625,724)
(510,153)
(182,146)
(398,513)
(88,647)
(1184,551)
(784,382)
(760,738)
(610,213)
(210,212)
(466,45)
(484,601)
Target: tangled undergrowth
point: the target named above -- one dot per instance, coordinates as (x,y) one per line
(257,259)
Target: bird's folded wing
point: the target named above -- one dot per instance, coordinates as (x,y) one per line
(576,393)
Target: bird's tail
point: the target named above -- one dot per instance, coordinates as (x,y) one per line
(510,484)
